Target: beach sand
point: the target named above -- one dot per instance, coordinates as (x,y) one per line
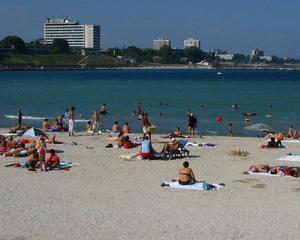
(108,198)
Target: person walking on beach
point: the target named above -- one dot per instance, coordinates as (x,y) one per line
(192,124)
(71,121)
(146,125)
(20,117)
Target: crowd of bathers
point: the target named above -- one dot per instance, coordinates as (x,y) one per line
(34,150)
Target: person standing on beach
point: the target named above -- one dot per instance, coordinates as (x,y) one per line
(95,120)
(230,130)
(71,121)
(146,125)
(20,117)
(192,124)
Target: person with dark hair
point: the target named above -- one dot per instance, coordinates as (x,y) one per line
(186,175)
(52,161)
(147,150)
(45,125)
(32,161)
(146,125)
(20,118)
(192,124)
(274,144)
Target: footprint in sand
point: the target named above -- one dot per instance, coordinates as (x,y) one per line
(240,181)
(259,185)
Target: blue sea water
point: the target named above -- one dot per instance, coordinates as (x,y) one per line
(166,95)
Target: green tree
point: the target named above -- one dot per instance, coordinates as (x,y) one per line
(134,53)
(60,46)
(18,43)
(193,54)
(167,55)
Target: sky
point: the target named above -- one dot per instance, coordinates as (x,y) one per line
(233,25)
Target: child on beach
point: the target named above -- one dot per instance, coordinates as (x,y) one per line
(52,161)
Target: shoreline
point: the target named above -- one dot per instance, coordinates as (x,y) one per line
(253,67)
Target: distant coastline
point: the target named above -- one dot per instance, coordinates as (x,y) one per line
(22,67)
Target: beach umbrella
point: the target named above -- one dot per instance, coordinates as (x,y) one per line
(33,132)
(260,127)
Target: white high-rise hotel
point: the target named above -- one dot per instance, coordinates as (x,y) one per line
(78,36)
(191,42)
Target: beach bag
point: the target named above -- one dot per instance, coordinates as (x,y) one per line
(207,186)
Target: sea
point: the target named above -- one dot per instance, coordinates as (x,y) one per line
(165,94)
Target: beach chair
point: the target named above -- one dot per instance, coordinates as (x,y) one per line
(181,152)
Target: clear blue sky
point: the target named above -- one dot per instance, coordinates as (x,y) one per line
(233,25)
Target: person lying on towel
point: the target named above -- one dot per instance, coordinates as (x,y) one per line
(275,170)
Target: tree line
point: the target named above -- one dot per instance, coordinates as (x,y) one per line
(165,55)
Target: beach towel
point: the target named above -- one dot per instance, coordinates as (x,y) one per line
(195,144)
(268,174)
(291,141)
(292,158)
(196,186)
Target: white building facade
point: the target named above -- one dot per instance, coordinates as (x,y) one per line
(78,36)
(191,42)
(160,42)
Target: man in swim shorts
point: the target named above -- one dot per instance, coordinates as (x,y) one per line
(192,124)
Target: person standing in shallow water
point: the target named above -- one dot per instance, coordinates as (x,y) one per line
(192,124)
(20,117)
(146,125)
(71,121)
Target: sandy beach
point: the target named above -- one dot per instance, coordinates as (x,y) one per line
(108,198)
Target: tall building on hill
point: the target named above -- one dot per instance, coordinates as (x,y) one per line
(160,42)
(78,36)
(191,42)
(257,52)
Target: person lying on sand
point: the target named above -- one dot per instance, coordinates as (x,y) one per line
(279,136)
(176,134)
(125,142)
(275,170)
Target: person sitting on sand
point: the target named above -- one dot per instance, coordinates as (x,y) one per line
(56,127)
(45,125)
(126,128)
(32,161)
(147,150)
(172,146)
(186,175)
(274,144)
(116,128)
(89,127)
(261,168)
(279,136)
(52,161)
(292,133)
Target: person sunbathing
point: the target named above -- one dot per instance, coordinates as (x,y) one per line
(52,161)
(26,152)
(279,136)
(32,161)
(186,175)
(56,127)
(274,144)
(126,128)
(19,148)
(172,146)
(260,168)
(177,133)
(293,133)
(147,150)
(285,171)
(45,125)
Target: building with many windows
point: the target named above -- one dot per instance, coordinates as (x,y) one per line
(160,42)
(78,36)
(257,53)
(191,42)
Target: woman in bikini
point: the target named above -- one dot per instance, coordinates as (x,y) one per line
(186,175)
